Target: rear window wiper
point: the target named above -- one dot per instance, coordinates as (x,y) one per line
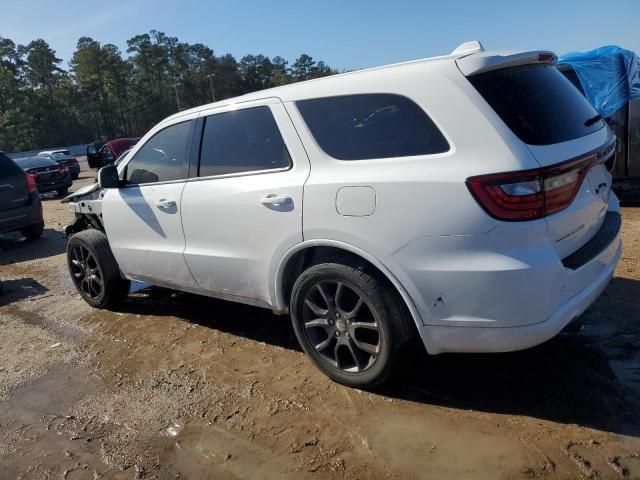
(592,120)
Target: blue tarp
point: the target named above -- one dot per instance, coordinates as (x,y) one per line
(610,76)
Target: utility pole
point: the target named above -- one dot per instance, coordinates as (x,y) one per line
(210,77)
(175,87)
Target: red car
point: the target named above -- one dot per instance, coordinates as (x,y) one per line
(100,154)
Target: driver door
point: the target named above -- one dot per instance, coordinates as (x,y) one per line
(142,218)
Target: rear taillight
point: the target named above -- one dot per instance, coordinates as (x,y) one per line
(32,184)
(63,170)
(531,194)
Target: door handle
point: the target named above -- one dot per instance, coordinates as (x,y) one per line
(165,204)
(275,199)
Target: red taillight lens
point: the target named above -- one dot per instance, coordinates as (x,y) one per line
(63,170)
(531,194)
(32,184)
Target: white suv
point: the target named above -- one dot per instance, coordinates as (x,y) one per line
(462,198)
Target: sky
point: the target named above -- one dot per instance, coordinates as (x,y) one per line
(345,34)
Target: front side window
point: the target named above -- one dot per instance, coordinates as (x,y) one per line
(162,158)
(370,126)
(245,140)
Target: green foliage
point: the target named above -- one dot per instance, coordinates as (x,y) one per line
(105,95)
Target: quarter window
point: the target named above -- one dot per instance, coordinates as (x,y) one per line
(245,140)
(162,157)
(369,126)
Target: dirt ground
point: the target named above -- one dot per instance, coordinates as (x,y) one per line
(178,386)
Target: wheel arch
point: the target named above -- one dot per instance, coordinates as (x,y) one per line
(304,254)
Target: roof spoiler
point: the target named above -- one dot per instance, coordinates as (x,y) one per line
(485,62)
(467,48)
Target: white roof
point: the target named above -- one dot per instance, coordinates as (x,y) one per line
(470,57)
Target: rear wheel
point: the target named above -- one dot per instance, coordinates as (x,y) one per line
(63,192)
(351,323)
(94,270)
(32,231)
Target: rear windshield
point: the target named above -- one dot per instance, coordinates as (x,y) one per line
(8,167)
(537,103)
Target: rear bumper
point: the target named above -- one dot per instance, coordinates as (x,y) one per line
(439,339)
(17,218)
(504,290)
(58,184)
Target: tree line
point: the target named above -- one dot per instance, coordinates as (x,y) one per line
(105,95)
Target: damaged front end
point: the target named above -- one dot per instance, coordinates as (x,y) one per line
(86,204)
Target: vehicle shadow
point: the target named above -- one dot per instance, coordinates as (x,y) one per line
(255,323)
(18,289)
(569,379)
(577,377)
(15,248)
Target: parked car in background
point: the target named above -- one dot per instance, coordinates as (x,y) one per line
(475,214)
(100,154)
(64,158)
(93,159)
(49,176)
(20,207)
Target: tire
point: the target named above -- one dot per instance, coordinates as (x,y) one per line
(90,262)
(32,231)
(75,176)
(364,339)
(63,192)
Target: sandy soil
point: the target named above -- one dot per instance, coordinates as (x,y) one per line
(178,386)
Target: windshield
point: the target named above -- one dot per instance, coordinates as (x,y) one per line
(537,103)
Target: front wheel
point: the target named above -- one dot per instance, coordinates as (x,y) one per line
(350,322)
(94,270)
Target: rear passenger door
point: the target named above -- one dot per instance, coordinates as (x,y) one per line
(243,209)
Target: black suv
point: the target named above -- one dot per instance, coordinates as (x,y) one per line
(20,207)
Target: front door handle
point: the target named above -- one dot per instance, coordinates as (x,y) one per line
(165,204)
(275,199)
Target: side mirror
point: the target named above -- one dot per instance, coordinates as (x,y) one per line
(108,177)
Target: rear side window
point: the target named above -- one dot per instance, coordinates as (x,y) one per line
(370,126)
(162,158)
(537,103)
(8,167)
(245,140)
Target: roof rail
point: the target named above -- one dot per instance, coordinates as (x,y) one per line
(467,48)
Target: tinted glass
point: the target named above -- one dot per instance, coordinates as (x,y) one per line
(163,157)
(634,139)
(8,167)
(242,141)
(537,103)
(357,127)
